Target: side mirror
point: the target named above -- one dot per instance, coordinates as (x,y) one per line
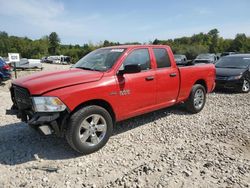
(129,69)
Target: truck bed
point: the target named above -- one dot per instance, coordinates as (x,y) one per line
(189,75)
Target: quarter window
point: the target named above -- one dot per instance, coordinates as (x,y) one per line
(162,58)
(138,57)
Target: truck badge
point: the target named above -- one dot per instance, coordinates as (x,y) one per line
(125,92)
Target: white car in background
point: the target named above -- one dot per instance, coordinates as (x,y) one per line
(206,58)
(57,59)
(25,63)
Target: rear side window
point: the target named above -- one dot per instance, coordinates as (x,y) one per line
(138,57)
(162,58)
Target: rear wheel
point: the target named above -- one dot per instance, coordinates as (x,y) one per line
(197,99)
(246,86)
(89,129)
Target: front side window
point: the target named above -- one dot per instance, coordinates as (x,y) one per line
(161,57)
(138,57)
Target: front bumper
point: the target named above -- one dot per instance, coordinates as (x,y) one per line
(229,84)
(55,122)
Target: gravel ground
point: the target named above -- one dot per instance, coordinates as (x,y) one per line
(166,148)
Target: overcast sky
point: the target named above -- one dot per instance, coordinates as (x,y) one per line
(83,21)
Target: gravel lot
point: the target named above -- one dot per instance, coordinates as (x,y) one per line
(167,148)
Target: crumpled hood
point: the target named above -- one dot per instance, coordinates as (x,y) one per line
(229,71)
(43,82)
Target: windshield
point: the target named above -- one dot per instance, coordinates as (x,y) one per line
(204,56)
(177,56)
(100,60)
(233,62)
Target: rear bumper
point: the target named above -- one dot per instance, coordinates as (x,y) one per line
(6,76)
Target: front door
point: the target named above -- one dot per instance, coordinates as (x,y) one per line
(137,91)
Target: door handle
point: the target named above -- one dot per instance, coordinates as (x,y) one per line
(149,78)
(173,74)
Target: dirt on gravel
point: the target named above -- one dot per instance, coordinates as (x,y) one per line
(166,148)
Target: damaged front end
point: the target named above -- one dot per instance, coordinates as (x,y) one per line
(25,109)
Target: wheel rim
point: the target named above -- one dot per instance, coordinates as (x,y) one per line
(92,130)
(245,86)
(199,97)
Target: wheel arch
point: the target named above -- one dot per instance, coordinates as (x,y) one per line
(202,82)
(98,102)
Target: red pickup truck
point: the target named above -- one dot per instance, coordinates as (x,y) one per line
(106,86)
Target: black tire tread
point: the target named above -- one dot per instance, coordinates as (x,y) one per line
(189,103)
(74,120)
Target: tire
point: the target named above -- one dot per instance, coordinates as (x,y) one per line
(245,86)
(197,99)
(89,129)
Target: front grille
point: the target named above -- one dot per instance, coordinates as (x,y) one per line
(21,97)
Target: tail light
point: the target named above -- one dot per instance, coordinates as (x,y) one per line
(6,67)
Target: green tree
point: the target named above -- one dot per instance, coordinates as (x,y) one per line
(4,43)
(54,43)
(156,41)
(240,43)
(214,37)
(106,43)
(190,46)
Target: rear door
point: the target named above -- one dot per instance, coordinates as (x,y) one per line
(137,91)
(167,77)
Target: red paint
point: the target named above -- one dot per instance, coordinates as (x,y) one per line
(75,86)
(6,67)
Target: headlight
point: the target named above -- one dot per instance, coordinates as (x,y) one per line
(48,104)
(234,77)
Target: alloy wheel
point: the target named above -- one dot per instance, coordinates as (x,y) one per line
(246,86)
(93,130)
(199,97)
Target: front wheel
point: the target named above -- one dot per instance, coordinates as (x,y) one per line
(89,129)
(246,86)
(197,99)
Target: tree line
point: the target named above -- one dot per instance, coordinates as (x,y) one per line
(209,42)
